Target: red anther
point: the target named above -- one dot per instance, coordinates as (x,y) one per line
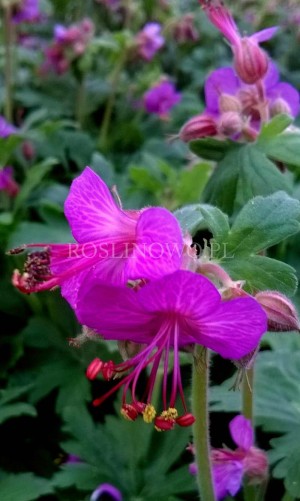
(163,424)
(129,412)
(94,368)
(108,370)
(186,420)
(139,406)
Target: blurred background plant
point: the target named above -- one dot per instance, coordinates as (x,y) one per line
(74,91)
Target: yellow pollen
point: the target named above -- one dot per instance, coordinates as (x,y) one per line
(170,413)
(149,413)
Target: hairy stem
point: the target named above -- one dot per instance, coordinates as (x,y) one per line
(247,410)
(201,425)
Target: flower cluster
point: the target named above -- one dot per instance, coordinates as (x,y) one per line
(68,45)
(132,277)
(240,98)
(161,98)
(230,467)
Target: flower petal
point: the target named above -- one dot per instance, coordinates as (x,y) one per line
(242,432)
(264,35)
(159,245)
(92,212)
(115,312)
(109,489)
(288,93)
(221,81)
(227,478)
(234,329)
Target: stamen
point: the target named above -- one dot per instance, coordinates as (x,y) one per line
(149,413)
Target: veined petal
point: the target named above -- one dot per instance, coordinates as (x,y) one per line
(115,312)
(221,81)
(159,245)
(242,432)
(264,35)
(272,76)
(234,329)
(92,212)
(227,478)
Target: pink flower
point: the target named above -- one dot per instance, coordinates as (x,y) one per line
(161,98)
(113,244)
(7,182)
(6,129)
(149,41)
(175,311)
(229,467)
(250,61)
(69,44)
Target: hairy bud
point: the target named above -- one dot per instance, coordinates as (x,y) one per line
(230,123)
(198,126)
(279,106)
(250,61)
(229,103)
(281,313)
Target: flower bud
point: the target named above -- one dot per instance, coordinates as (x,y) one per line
(28,150)
(281,313)
(229,103)
(250,61)
(230,123)
(184,29)
(185,420)
(279,106)
(198,126)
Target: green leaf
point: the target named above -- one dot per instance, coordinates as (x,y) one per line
(292,479)
(28,233)
(210,148)
(191,183)
(244,172)
(83,476)
(195,217)
(271,129)
(15,410)
(284,148)
(24,487)
(33,179)
(7,146)
(263,222)
(262,273)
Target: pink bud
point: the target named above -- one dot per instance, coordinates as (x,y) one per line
(250,61)
(281,313)
(184,29)
(198,126)
(230,123)
(28,150)
(279,106)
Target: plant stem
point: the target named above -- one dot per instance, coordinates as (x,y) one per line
(247,411)
(80,101)
(201,425)
(8,68)
(111,101)
(247,395)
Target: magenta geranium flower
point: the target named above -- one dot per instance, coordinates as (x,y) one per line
(149,40)
(113,244)
(224,82)
(6,129)
(229,467)
(161,98)
(7,182)
(176,311)
(26,11)
(250,61)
